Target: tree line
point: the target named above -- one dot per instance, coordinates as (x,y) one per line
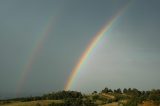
(74,98)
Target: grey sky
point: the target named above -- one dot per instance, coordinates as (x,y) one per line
(128,56)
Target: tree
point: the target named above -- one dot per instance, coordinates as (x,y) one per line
(118,90)
(106,90)
(94,92)
(124,90)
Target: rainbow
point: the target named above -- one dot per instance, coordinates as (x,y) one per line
(91,46)
(32,56)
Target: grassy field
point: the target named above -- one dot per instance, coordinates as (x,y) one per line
(47,102)
(112,104)
(33,103)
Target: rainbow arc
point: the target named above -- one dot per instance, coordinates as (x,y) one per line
(97,38)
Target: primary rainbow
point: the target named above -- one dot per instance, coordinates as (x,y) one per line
(91,46)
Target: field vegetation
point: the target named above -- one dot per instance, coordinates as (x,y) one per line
(106,97)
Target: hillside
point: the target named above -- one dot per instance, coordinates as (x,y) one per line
(107,97)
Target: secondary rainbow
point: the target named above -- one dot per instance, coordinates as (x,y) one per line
(91,46)
(32,56)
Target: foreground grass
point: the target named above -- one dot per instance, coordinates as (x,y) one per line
(47,102)
(112,104)
(33,103)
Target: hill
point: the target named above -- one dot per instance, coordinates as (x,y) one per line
(107,97)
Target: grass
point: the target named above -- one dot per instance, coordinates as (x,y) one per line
(112,104)
(33,103)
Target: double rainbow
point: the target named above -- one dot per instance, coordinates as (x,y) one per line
(42,36)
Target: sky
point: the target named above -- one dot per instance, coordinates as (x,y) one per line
(41,41)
